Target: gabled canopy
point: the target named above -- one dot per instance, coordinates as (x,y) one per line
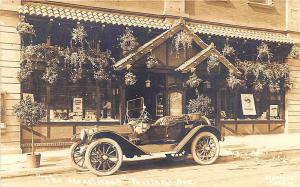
(195,60)
(185,67)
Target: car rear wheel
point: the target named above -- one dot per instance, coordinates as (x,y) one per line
(177,157)
(205,148)
(77,156)
(104,156)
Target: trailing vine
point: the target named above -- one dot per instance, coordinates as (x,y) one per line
(181,40)
(101,63)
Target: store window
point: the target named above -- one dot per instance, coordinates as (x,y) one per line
(237,105)
(73,101)
(83,101)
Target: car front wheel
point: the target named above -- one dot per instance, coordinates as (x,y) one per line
(77,155)
(104,157)
(205,148)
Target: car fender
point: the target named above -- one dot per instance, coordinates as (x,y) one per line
(195,131)
(128,147)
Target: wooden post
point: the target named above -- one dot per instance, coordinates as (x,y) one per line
(166,99)
(48,32)
(98,100)
(113,110)
(47,102)
(109,95)
(218,109)
(122,103)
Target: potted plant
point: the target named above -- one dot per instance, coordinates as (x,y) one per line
(30,113)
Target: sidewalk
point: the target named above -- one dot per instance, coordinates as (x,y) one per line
(233,148)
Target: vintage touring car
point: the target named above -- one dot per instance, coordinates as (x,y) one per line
(101,151)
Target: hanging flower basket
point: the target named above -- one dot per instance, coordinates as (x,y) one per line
(25,71)
(151,61)
(25,29)
(263,52)
(202,104)
(128,41)
(258,86)
(79,34)
(228,50)
(212,63)
(233,82)
(51,73)
(295,52)
(74,60)
(101,63)
(274,87)
(130,79)
(194,81)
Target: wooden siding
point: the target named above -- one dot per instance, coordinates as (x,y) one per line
(10,45)
(293,98)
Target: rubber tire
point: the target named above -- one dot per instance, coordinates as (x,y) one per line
(193,148)
(90,148)
(77,167)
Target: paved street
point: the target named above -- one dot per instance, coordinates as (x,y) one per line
(277,171)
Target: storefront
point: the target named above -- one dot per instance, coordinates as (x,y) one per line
(98,72)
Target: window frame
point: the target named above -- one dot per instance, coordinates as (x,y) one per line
(268,4)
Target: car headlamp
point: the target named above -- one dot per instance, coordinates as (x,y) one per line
(83,134)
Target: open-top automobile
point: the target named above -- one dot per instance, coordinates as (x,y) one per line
(101,150)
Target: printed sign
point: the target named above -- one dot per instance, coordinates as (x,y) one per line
(77,104)
(248,104)
(175,100)
(273,110)
(159,105)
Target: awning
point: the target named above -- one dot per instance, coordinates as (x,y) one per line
(239,33)
(105,17)
(79,14)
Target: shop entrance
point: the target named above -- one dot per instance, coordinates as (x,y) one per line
(162,94)
(147,91)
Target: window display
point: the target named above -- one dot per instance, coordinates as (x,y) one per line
(256,106)
(77,102)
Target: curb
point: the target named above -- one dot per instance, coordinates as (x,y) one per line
(246,154)
(264,155)
(38,172)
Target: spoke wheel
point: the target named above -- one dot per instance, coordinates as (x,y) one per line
(77,156)
(177,157)
(205,148)
(104,156)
